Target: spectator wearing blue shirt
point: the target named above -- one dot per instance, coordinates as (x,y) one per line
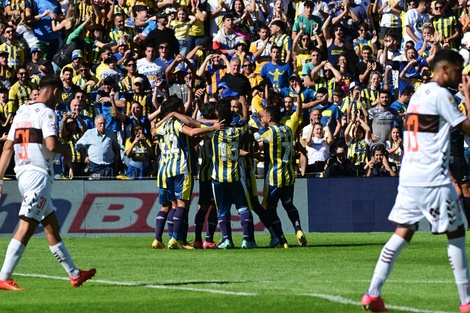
(44,11)
(329,111)
(276,73)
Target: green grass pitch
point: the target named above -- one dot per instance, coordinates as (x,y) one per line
(329,275)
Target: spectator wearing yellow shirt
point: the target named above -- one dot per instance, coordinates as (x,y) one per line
(77,59)
(14,49)
(248,70)
(20,91)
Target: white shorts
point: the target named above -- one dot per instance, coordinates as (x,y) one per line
(438,204)
(35,188)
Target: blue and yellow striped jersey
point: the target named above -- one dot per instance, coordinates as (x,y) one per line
(278,143)
(85,10)
(358,151)
(226,153)
(285,43)
(117,34)
(161,166)
(19,94)
(80,82)
(15,54)
(445,26)
(205,171)
(181,29)
(356,105)
(328,84)
(178,147)
(213,75)
(368,96)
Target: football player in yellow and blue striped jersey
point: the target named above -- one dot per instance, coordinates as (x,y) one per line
(179,164)
(206,197)
(277,141)
(227,184)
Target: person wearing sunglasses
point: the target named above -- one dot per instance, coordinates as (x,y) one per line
(446,25)
(15,51)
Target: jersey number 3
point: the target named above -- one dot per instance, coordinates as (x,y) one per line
(412,125)
(22,137)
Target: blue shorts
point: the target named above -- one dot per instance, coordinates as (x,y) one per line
(226,194)
(181,186)
(165,197)
(273,194)
(206,196)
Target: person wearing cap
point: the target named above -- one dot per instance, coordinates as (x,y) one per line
(226,38)
(120,31)
(139,95)
(15,51)
(282,40)
(196,33)
(308,22)
(353,103)
(276,73)
(241,51)
(330,111)
(213,70)
(175,75)
(33,63)
(107,94)
(122,54)
(162,34)
(181,26)
(77,59)
(307,94)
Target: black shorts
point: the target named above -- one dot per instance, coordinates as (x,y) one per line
(459,169)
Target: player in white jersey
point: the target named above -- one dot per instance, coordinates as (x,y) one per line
(425,188)
(33,139)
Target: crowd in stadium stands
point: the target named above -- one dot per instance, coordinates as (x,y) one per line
(354,63)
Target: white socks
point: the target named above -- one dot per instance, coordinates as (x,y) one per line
(384,266)
(63,256)
(459,264)
(12,258)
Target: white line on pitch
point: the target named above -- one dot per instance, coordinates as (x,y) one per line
(115,283)
(339,299)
